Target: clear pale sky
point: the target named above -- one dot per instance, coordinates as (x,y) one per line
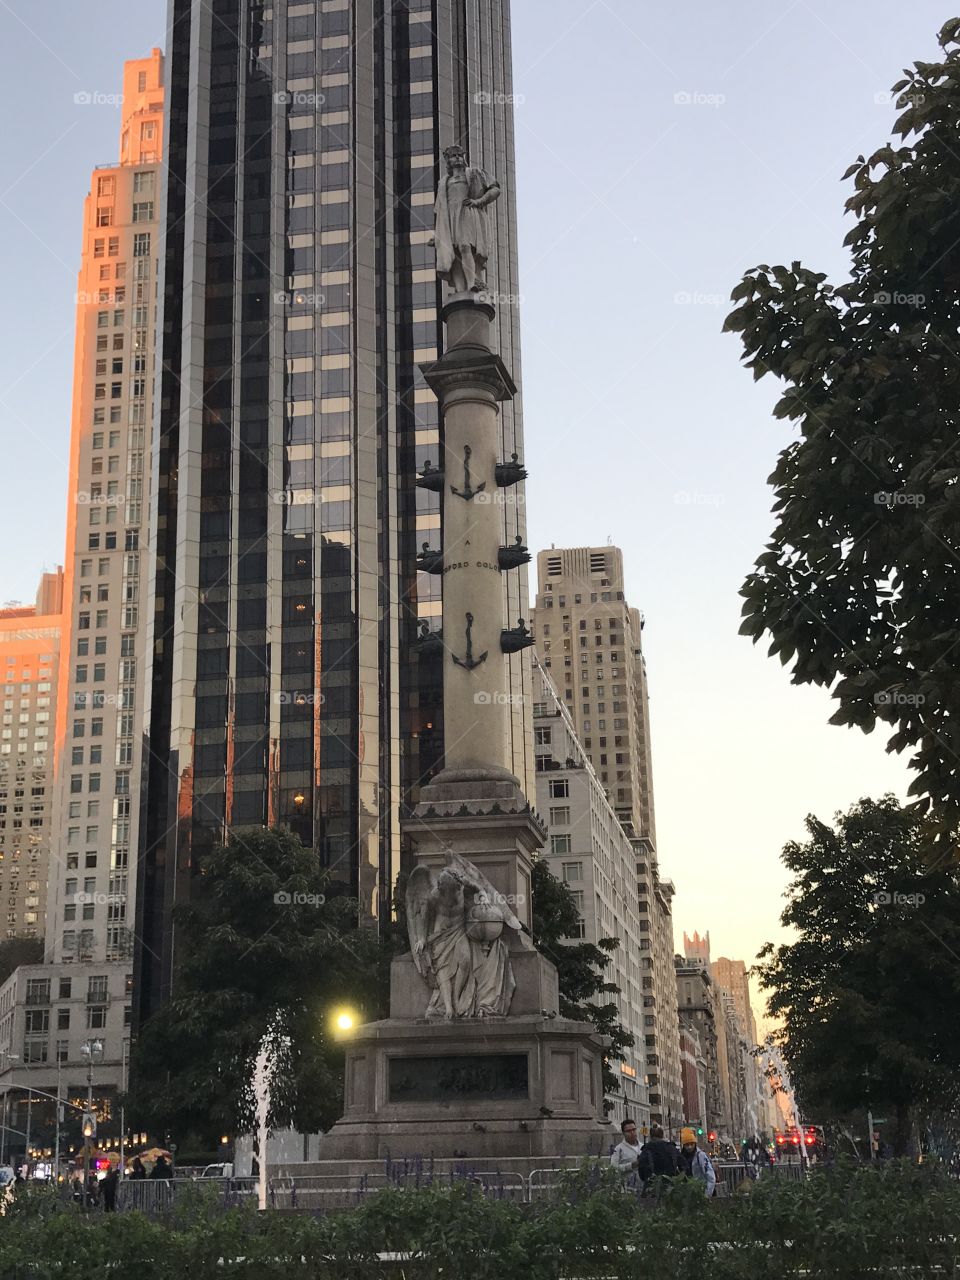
(662,150)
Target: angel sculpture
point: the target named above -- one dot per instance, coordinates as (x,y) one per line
(455,919)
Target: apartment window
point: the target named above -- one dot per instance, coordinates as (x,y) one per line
(38,991)
(571,871)
(560,844)
(96,989)
(63,1019)
(141,82)
(141,244)
(96,1016)
(143,183)
(113,246)
(559,788)
(143,211)
(542,737)
(105,216)
(560,816)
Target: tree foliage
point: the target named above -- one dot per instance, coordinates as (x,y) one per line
(264,943)
(859,587)
(580,965)
(867,988)
(17,951)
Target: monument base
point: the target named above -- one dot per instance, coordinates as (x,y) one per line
(522,1086)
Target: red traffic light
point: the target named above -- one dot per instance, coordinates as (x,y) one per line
(780,1139)
(712,1136)
(810,1139)
(795,1139)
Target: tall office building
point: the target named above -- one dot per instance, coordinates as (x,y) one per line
(30,638)
(89,910)
(299,299)
(80,998)
(589,640)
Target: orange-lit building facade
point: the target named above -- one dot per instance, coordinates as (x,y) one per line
(29,656)
(98,727)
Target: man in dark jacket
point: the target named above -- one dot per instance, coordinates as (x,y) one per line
(658,1157)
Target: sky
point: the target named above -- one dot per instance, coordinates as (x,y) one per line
(662,150)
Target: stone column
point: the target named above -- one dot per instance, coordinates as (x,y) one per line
(470,381)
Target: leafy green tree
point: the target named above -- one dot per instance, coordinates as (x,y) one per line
(580,965)
(859,586)
(17,951)
(264,945)
(867,986)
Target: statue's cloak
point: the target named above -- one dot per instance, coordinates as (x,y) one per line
(457,225)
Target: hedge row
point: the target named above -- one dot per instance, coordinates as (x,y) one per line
(840,1224)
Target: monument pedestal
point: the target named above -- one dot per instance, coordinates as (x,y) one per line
(523,1085)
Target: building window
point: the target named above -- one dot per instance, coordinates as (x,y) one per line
(96,1017)
(559,789)
(560,815)
(571,871)
(97,989)
(560,844)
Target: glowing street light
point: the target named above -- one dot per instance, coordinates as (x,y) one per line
(344,1021)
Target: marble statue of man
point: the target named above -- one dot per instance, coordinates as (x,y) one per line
(461,236)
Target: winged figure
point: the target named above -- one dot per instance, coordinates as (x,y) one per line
(455,919)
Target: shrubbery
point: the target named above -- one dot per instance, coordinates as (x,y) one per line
(840,1224)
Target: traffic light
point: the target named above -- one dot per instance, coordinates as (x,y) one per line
(712,1136)
(699,1133)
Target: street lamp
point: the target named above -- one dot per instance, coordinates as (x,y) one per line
(92,1051)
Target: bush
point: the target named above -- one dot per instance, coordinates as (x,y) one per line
(843,1223)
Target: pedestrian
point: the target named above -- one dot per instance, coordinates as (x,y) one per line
(695,1163)
(137,1169)
(160,1168)
(108,1189)
(658,1157)
(627,1152)
(93,1190)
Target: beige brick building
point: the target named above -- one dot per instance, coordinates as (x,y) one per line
(589,642)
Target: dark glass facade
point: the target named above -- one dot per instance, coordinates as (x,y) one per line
(299,297)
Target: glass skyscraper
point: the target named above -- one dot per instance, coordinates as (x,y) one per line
(287,680)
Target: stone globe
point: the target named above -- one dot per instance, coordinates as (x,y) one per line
(484,921)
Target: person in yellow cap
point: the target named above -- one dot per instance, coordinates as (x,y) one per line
(695,1163)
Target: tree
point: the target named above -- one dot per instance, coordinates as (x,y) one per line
(859,587)
(867,989)
(17,951)
(580,965)
(264,943)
